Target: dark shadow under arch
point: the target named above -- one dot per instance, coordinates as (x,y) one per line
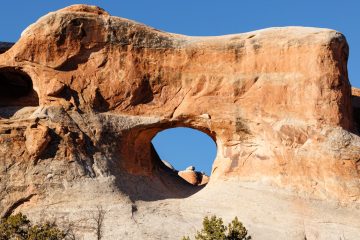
(356,111)
(16,88)
(16,91)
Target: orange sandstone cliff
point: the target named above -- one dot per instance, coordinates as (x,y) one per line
(82,94)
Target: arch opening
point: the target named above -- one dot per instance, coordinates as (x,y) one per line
(188,152)
(16,91)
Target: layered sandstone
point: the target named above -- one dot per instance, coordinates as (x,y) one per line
(83,93)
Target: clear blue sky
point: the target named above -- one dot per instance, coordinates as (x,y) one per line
(183,147)
(206,17)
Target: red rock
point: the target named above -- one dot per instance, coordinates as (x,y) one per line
(277,102)
(37,139)
(189,176)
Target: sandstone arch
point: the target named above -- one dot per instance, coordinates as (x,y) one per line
(277,101)
(137,149)
(16,88)
(16,91)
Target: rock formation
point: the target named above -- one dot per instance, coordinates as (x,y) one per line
(4,46)
(193,177)
(82,94)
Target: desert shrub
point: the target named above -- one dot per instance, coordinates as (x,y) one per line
(14,227)
(237,231)
(214,229)
(20,228)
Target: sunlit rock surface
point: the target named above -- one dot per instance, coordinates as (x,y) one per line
(82,94)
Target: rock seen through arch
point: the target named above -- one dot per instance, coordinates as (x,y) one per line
(187,151)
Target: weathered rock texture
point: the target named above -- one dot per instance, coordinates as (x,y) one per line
(83,93)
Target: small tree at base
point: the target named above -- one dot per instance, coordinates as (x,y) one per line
(236,231)
(19,227)
(214,229)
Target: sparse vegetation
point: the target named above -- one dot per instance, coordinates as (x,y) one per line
(214,229)
(20,228)
(98,218)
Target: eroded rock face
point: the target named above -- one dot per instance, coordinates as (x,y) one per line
(277,102)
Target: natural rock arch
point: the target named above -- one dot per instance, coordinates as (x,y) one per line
(16,93)
(137,149)
(277,101)
(16,88)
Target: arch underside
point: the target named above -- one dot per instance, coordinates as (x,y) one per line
(16,91)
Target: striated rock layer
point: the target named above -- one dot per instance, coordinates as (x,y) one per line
(82,94)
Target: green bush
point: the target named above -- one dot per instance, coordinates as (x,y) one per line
(214,229)
(20,228)
(237,231)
